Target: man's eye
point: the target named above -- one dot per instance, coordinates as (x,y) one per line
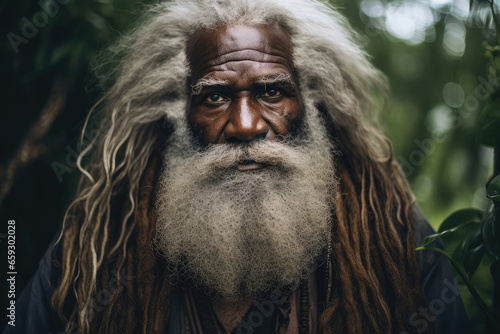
(272,95)
(215,98)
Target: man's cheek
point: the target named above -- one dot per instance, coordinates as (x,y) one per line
(292,113)
(197,132)
(213,132)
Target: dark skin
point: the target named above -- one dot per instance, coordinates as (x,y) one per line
(246,83)
(246,90)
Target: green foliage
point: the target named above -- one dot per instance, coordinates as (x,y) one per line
(489,124)
(459,218)
(482,230)
(493,187)
(491,232)
(472,236)
(76,31)
(470,249)
(466,279)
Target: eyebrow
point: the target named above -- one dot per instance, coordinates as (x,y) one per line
(282,78)
(278,79)
(201,84)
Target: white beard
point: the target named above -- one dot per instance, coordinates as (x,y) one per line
(237,233)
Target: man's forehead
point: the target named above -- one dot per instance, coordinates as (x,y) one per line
(210,50)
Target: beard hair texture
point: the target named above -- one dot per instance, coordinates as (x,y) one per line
(239,233)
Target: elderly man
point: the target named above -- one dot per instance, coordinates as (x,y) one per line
(240,185)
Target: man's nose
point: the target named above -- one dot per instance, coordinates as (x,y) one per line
(246,123)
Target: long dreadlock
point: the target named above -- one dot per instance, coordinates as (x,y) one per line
(108,229)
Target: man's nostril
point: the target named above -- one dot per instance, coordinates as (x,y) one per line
(261,135)
(236,139)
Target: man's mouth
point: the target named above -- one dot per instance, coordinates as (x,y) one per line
(248,165)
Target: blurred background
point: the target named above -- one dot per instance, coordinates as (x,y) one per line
(431,50)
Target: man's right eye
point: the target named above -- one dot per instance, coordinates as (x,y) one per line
(215,99)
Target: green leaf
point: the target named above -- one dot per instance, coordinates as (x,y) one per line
(431,238)
(495,271)
(489,123)
(461,217)
(471,250)
(466,280)
(491,233)
(493,189)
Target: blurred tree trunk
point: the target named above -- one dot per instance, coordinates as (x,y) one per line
(31,148)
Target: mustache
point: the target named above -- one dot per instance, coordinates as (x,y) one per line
(220,157)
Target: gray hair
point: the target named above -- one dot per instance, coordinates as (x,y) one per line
(149,75)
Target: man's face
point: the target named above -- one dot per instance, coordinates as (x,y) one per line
(243,84)
(235,218)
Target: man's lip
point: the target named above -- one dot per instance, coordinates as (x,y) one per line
(248,165)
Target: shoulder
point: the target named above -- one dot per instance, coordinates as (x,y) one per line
(438,283)
(421,229)
(34,312)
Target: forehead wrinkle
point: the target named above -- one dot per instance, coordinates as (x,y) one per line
(243,55)
(247,54)
(264,53)
(222,67)
(221,49)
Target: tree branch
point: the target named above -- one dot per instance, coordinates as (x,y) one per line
(30,148)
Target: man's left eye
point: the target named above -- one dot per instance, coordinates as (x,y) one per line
(273,94)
